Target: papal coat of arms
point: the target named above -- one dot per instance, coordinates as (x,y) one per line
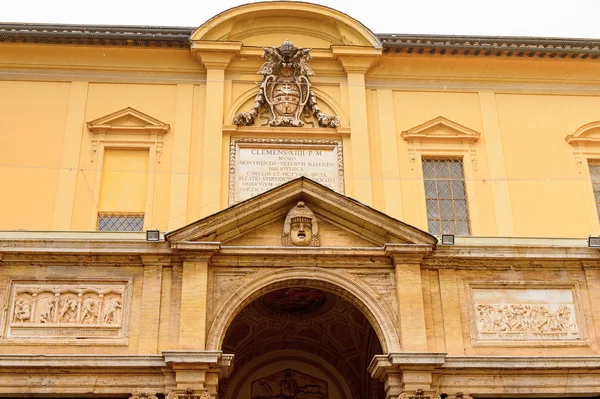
(286,90)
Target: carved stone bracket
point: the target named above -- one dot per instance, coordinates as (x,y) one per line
(286,90)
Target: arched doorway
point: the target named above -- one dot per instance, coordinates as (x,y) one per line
(301,339)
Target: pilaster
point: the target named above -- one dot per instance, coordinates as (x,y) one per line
(497,166)
(69,160)
(151,303)
(181,156)
(194,289)
(215,57)
(409,290)
(356,61)
(389,154)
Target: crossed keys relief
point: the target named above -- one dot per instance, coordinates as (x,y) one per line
(286,91)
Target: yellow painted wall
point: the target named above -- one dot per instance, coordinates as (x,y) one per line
(523,170)
(544,178)
(32,123)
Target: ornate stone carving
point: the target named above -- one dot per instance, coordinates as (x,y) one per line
(66,310)
(419,394)
(300,228)
(189,394)
(524,313)
(289,384)
(525,319)
(286,90)
(143,395)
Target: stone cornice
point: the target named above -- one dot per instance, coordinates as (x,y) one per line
(179,37)
(63,361)
(521,362)
(441,362)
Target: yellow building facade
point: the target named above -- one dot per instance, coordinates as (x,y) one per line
(301,171)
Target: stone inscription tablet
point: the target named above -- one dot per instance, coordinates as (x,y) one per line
(258,165)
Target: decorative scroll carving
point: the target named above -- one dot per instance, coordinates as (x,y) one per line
(419,394)
(189,394)
(67,310)
(300,228)
(524,313)
(143,395)
(286,90)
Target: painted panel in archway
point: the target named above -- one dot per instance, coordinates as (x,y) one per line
(288,384)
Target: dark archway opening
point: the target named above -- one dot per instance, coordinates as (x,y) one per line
(301,343)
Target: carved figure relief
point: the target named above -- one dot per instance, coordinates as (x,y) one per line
(528,314)
(289,384)
(521,318)
(300,228)
(286,90)
(72,310)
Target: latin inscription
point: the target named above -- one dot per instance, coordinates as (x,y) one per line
(261,165)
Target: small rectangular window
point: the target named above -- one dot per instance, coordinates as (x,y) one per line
(120,221)
(446,197)
(595,177)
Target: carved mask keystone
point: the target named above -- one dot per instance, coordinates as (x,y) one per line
(300,228)
(285,90)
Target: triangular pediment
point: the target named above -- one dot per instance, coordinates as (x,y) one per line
(259,221)
(128,120)
(587,134)
(440,128)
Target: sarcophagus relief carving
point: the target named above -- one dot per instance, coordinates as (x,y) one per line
(62,311)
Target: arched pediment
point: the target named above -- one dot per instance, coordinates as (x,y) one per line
(270,23)
(589,133)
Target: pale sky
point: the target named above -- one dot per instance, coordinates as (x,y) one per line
(542,18)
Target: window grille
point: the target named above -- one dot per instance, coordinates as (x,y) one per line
(595,176)
(446,197)
(120,221)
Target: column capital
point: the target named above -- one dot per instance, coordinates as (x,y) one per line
(356,59)
(407,375)
(407,254)
(214,54)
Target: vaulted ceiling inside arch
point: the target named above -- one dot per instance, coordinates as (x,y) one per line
(310,320)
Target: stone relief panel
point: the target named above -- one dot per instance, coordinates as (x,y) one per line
(289,384)
(523,313)
(68,312)
(257,165)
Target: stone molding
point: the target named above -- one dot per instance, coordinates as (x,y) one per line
(359,294)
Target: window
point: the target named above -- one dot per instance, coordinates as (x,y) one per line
(446,197)
(595,177)
(120,221)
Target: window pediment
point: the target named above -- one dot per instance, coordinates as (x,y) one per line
(586,134)
(128,120)
(440,128)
